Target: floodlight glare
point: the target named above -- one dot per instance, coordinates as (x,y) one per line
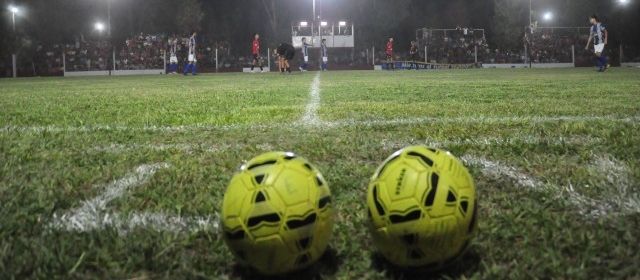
(623,2)
(343,23)
(304,23)
(99,26)
(547,16)
(323,23)
(13,9)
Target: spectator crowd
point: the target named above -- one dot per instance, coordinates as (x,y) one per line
(451,46)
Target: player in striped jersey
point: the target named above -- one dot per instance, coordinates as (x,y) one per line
(191,58)
(600,36)
(305,55)
(324,51)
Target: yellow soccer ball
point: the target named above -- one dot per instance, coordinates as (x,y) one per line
(277,215)
(422,208)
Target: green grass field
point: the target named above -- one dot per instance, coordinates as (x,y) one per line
(122,177)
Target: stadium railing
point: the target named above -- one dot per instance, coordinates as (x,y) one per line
(629,56)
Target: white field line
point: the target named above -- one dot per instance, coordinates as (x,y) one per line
(183,147)
(313,119)
(386,144)
(93,215)
(588,207)
(619,181)
(492,141)
(498,171)
(482,120)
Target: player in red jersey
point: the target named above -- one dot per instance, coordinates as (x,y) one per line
(255,50)
(389,52)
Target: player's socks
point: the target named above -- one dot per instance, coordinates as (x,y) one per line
(186,69)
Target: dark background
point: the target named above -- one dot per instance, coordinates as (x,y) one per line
(60,21)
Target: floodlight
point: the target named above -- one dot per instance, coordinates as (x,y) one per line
(323,23)
(623,2)
(547,16)
(99,26)
(304,23)
(343,23)
(13,9)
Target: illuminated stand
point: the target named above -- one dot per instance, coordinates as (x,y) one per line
(338,35)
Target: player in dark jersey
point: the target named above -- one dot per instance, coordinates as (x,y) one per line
(255,51)
(389,53)
(600,36)
(413,54)
(285,53)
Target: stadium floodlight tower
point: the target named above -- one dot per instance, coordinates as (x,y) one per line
(337,34)
(14,10)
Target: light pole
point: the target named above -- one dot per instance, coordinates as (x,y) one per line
(14,10)
(109,18)
(530,14)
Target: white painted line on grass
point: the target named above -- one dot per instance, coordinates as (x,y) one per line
(619,181)
(318,123)
(497,171)
(392,144)
(622,203)
(482,120)
(311,117)
(92,214)
(188,148)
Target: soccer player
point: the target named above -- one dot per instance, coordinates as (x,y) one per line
(324,52)
(305,54)
(255,50)
(600,36)
(389,52)
(285,53)
(191,59)
(413,52)
(173,57)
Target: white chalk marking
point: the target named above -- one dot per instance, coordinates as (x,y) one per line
(318,123)
(619,183)
(492,141)
(622,203)
(498,171)
(183,147)
(92,214)
(483,120)
(311,117)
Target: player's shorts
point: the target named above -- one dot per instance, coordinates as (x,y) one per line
(599,48)
(289,55)
(389,57)
(325,59)
(256,57)
(173,59)
(306,58)
(192,58)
